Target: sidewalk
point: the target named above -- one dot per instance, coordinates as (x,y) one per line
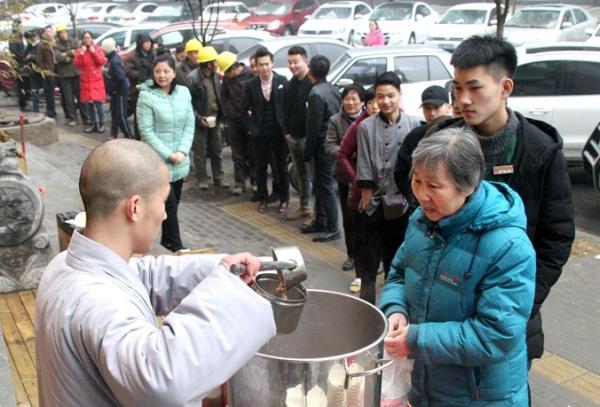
(569,375)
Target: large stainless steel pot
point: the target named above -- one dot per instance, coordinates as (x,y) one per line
(337,348)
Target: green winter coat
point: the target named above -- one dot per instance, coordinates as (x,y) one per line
(166,122)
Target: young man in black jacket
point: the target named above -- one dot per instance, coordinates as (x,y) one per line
(263,103)
(524,153)
(324,101)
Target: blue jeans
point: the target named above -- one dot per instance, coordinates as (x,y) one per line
(92,108)
(297,145)
(324,184)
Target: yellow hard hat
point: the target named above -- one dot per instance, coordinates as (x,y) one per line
(207,54)
(60,27)
(225,60)
(193,45)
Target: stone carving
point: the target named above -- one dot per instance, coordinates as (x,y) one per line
(24,243)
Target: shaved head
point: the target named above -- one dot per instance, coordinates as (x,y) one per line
(116,170)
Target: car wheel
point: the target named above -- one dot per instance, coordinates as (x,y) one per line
(287,31)
(351,38)
(412,39)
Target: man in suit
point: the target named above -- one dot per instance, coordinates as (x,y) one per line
(263,102)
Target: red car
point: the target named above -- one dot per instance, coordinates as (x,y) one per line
(280,17)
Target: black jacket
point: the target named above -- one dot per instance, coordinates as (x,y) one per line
(253,102)
(195,83)
(324,101)
(404,163)
(296,97)
(118,84)
(138,66)
(232,92)
(541,179)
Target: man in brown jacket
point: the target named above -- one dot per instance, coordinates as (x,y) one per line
(46,64)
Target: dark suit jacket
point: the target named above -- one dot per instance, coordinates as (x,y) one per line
(253,102)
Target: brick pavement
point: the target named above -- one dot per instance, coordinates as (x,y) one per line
(216,219)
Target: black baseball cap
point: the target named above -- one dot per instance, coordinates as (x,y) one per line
(435,95)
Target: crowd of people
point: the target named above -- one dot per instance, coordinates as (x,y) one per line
(469,211)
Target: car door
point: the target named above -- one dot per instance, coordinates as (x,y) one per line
(568,28)
(577,110)
(536,90)
(582,22)
(363,71)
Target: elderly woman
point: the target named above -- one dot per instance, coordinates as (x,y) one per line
(461,287)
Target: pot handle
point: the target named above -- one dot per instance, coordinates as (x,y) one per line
(381,364)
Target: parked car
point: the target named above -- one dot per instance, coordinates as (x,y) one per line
(227,10)
(336,20)
(238,41)
(549,23)
(130,13)
(463,21)
(281,17)
(402,22)
(94,12)
(591,157)
(559,83)
(125,36)
(279,47)
(174,12)
(97,29)
(418,66)
(594,35)
(43,14)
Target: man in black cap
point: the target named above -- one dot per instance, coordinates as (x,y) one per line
(435,104)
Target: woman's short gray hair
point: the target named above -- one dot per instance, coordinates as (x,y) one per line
(459,149)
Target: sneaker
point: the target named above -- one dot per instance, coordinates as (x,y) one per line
(237,191)
(100,128)
(272,198)
(300,213)
(355,286)
(327,236)
(219,183)
(310,219)
(348,264)
(72,123)
(255,198)
(203,185)
(262,207)
(90,129)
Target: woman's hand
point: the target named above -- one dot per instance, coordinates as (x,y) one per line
(92,48)
(396,344)
(177,157)
(396,321)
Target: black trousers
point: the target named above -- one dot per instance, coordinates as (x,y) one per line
(23,89)
(239,140)
(171,238)
(48,85)
(267,141)
(348,215)
(118,116)
(378,241)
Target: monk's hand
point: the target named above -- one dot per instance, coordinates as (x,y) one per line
(251,262)
(396,343)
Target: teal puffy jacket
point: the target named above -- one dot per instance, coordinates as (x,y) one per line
(466,285)
(166,123)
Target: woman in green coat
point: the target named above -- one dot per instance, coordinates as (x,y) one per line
(166,122)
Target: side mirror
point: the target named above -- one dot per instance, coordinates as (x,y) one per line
(493,22)
(589,32)
(345,82)
(307,17)
(566,24)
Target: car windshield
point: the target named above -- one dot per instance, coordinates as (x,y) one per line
(91,7)
(123,10)
(534,19)
(274,8)
(249,52)
(396,12)
(332,13)
(464,17)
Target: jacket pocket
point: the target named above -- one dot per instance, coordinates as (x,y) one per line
(489,382)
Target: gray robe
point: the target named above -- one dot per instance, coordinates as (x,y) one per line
(98,343)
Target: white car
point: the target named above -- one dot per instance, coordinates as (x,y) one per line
(336,19)
(130,13)
(41,15)
(227,10)
(418,67)
(549,23)
(594,35)
(125,36)
(94,12)
(463,21)
(401,22)
(559,83)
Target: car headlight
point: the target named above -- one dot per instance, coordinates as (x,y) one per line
(274,25)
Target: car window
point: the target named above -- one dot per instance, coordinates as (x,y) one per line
(239,44)
(580,78)
(580,16)
(423,10)
(536,79)
(219,45)
(568,18)
(365,71)
(148,8)
(119,37)
(280,57)
(331,51)
(172,38)
(437,70)
(302,5)
(463,17)
(411,69)
(361,10)
(135,33)
(49,10)
(109,8)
